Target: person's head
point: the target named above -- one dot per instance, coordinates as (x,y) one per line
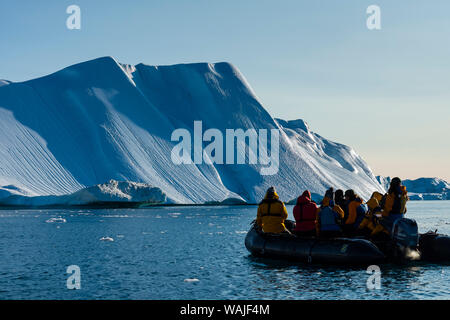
(395,185)
(330,194)
(304,198)
(350,195)
(339,195)
(306,194)
(271,193)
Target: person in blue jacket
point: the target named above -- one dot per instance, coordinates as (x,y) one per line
(329,217)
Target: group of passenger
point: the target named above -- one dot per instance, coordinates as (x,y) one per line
(338,214)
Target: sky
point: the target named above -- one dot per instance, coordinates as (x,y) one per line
(383,92)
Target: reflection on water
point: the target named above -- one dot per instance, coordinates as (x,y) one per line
(301,281)
(156,251)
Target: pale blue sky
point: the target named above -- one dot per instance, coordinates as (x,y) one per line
(384,92)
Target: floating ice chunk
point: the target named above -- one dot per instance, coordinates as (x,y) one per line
(191,280)
(56,220)
(106,239)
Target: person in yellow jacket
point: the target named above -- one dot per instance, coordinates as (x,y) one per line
(395,199)
(393,206)
(272,213)
(370,221)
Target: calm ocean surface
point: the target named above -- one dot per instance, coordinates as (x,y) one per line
(186,253)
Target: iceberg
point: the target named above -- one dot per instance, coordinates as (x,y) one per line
(422,188)
(111,192)
(101,120)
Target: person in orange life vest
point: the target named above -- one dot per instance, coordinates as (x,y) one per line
(393,205)
(394,202)
(354,212)
(370,221)
(305,214)
(329,217)
(272,213)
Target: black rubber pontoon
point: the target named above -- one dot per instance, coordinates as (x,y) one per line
(311,250)
(434,247)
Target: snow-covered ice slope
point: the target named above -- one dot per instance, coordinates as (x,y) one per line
(101,120)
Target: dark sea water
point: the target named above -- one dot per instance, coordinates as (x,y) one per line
(186,253)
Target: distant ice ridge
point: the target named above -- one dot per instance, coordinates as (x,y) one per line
(101,120)
(7,191)
(422,188)
(113,191)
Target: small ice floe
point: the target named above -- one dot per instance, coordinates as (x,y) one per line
(56,220)
(191,280)
(174,214)
(114,216)
(106,239)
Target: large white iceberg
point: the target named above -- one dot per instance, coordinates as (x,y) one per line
(102,120)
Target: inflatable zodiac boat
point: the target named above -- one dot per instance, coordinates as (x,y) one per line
(404,245)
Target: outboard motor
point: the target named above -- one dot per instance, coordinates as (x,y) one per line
(405,232)
(405,235)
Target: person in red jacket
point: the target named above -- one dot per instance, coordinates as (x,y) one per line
(305,214)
